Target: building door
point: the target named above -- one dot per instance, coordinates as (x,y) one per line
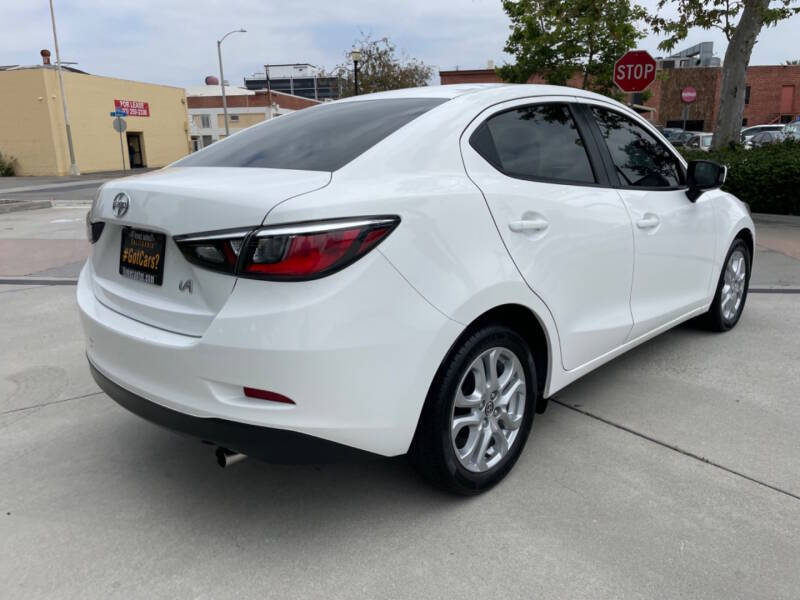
(787,99)
(135,150)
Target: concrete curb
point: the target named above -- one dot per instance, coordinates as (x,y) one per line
(9,206)
(53,186)
(38,281)
(791,220)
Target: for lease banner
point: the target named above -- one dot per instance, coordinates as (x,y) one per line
(134,108)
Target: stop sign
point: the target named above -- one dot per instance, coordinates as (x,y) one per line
(635,71)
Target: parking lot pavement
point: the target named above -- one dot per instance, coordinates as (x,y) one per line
(47,242)
(96,503)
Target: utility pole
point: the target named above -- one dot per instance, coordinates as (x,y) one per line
(222,76)
(269,92)
(73,167)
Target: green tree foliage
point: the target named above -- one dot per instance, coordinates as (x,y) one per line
(381,68)
(741,21)
(556,39)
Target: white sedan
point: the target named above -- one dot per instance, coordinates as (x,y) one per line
(407,272)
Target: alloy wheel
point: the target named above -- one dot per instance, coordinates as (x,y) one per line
(733,285)
(488,409)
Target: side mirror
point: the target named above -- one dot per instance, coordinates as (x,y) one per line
(704,175)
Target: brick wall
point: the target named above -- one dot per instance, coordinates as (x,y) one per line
(765,92)
(490,76)
(765,84)
(259,99)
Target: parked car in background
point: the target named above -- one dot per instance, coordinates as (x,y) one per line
(700,141)
(792,130)
(413,271)
(680,138)
(766,137)
(749,132)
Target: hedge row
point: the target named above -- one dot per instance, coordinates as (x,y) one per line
(767,178)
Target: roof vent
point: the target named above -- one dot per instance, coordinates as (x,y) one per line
(45,56)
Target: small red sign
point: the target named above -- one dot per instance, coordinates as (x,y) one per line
(635,71)
(134,108)
(688,94)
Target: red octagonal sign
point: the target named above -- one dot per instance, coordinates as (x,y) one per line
(635,71)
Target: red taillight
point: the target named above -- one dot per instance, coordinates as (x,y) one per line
(292,252)
(312,250)
(266,395)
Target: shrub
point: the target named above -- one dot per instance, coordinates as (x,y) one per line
(8,166)
(767,178)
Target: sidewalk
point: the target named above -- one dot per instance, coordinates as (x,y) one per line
(27,184)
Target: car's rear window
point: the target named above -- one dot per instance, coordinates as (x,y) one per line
(322,138)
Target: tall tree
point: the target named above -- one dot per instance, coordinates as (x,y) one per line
(382,68)
(557,39)
(741,21)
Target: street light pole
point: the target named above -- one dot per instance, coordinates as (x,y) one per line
(222,76)
(356,56)
(73,167)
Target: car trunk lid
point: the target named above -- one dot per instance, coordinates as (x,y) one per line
(180,201)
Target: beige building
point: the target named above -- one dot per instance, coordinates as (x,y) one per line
(32,121)
(245,108)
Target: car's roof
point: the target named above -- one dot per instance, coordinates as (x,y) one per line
(482,89)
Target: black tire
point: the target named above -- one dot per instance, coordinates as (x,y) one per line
(432,452)
(714,319)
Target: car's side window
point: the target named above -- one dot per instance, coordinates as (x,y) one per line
(640,160)
(539,142)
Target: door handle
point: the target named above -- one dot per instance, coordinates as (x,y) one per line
(528,225)
(648,221)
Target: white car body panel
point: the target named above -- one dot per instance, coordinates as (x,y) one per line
(579,220)
(358,350)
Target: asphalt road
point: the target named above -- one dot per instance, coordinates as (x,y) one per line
(610,500)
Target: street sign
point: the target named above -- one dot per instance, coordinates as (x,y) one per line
(120,125)
(688,94)
(635,71)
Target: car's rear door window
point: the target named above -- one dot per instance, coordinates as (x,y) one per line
(538,142)
(322,138)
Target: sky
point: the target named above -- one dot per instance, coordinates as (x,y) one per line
(174,41)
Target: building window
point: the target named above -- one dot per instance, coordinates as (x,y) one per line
(234,118)
(744,122)
(204,121)
(747,95)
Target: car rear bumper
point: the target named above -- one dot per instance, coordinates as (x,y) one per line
(355,351)
(266,443)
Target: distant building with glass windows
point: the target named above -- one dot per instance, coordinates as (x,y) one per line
(300,79)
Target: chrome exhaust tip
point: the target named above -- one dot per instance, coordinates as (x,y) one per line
(226,458)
